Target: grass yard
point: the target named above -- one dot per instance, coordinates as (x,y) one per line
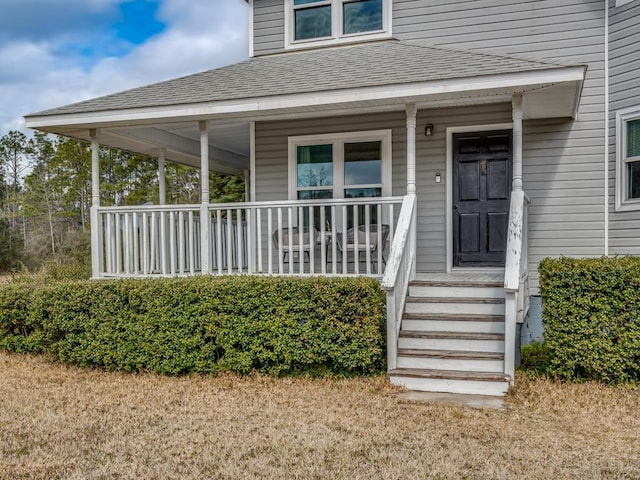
(58,421)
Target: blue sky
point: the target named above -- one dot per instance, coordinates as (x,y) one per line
(54,52)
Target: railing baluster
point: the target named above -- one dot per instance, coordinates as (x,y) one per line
(367,237)
(239,249)
(249,215)
(379,242)
(312,241)
(270,240)
(356,252)
(323,240)
(163,243)
(172,242)
(345,242)
(290,239)
(259,238)
(181,243)
(229,245)
(153,239)
(118,244)
(301,235)
(136,244)
(280,247)
(109,241)
(145,244)
(334,244)
(219,240)
(192,259)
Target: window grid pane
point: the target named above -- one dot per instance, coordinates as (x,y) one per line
(315,165)
(362,16)
(313,22)
(633,171)
(363,163)
(633,138)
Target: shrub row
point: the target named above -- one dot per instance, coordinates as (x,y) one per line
(278,326)
(591,315)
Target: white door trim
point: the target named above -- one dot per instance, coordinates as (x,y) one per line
(449,182)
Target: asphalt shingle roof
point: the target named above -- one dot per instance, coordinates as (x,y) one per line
(365,65)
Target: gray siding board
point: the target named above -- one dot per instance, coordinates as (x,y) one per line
(624,54)
(268,26)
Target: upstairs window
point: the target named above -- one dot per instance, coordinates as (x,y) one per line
(628,152)
(632,158)
(325,22)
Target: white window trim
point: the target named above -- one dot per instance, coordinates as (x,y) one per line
(622,117)
(338,140)
(337,37)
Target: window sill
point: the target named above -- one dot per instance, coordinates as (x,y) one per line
(629,206)
(346,39)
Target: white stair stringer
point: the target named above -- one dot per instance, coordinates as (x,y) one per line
(452,338)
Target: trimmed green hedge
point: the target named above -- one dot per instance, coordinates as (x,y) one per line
(274,325)
(591,315)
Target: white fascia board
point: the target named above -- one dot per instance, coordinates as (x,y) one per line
(393,93)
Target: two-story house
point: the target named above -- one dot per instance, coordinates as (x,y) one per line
(443,146)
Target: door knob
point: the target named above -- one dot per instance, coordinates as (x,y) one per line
(455,207)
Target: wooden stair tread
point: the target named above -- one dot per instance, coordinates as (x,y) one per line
(456,283)
(453,317)
(496,301)
(450,375)
(450,354)
(451,335)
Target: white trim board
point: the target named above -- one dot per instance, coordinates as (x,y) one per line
(622,203)
(449,180)
(340,138)
(336,37)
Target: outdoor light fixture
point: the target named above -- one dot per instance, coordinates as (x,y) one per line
(428,130)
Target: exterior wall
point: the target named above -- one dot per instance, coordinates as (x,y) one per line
(624,91)
(268,26)
(272,162)
(563,159)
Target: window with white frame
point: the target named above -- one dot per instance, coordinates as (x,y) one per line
(345,165)
(628,152)
(324,22)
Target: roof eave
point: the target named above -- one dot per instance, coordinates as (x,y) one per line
(325,100)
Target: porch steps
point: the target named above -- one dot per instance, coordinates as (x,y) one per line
(452,337)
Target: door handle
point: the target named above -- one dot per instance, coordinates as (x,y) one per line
(455,207)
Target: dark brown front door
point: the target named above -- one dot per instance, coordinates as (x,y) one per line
(481,191)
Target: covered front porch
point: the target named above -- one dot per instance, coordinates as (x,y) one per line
(339,176)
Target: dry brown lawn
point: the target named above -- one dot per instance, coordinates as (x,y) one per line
(58,421)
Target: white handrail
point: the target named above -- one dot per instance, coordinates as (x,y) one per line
(400,271)
(515,276)
(298,237)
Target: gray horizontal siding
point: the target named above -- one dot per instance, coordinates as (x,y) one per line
(268,26)
(563,159)
(624,91)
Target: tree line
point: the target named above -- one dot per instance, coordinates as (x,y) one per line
(45,194)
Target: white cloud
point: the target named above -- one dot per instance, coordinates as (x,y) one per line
(199,35)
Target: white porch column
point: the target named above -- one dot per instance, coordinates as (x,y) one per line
(517,142)
(412,111)
(96,231)
(205,220)
(162,181)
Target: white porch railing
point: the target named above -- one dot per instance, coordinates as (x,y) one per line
(400,271)
(516,275)
(313,237)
